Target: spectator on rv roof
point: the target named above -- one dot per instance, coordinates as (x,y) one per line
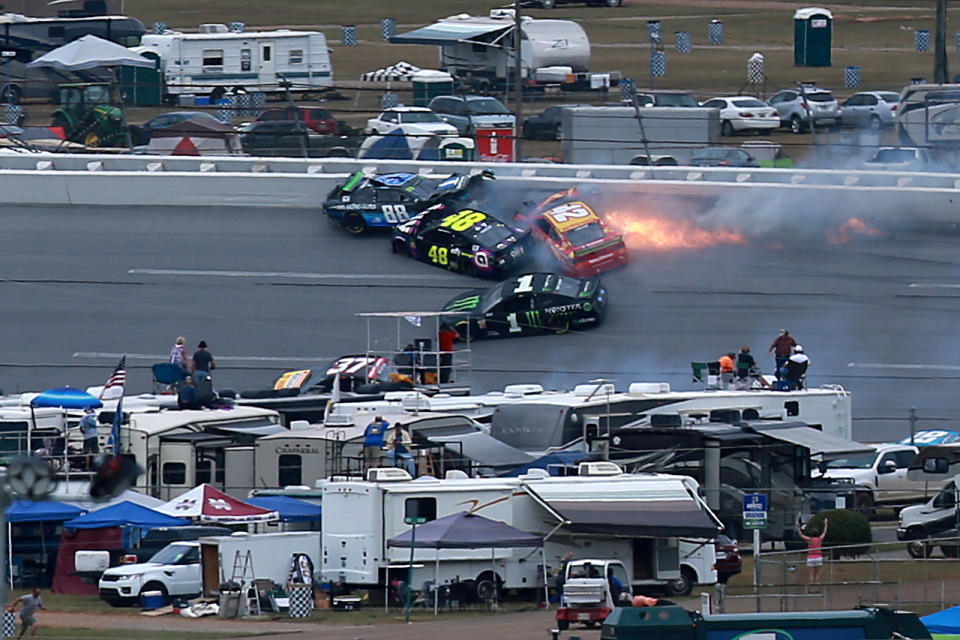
(783,346)
(796,367)
(203,359)
(373,441)
(178,353)
(398,440)
(746,365)
(88,425)
(726,363)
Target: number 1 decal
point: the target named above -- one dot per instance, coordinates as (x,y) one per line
(524,284)
(514,325)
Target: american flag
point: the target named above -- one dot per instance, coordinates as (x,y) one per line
(118,378)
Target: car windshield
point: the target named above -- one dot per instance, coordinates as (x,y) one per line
(585,234)
(419,116)
(171,554)
(748,102)
(566,286)
(486,106)
(711,153)
(676,100)
(895,155)
(822,96)
(853,462)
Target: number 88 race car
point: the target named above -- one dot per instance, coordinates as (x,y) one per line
(387,199)
(463,240)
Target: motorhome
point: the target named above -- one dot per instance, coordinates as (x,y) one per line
(217,60)
(928,117)
(656,524)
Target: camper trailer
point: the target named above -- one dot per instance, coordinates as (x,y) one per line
(271,555)
(217,60)
(480,50)
(655,523)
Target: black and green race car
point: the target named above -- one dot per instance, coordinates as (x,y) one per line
(526,305)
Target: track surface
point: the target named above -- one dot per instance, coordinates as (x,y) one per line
(272,290)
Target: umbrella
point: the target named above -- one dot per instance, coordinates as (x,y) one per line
(90,52)
(66,398)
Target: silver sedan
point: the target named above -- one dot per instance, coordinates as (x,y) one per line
(872,109)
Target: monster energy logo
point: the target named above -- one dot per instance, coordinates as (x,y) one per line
(463,304)
(533,318)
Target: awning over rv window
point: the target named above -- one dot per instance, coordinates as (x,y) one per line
(448,33)
(254,428)
(483,449)
(817,441)
(657,507)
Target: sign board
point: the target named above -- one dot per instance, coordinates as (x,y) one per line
(8,53)
(755,511)
(414,520)
(495,145)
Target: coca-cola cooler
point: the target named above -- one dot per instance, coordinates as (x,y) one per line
(495,144)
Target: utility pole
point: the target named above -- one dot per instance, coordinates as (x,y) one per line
(517,83)
(941,73)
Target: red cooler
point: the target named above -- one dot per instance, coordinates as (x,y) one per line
(495,144)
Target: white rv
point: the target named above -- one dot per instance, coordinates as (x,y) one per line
(657,524)
(217,60)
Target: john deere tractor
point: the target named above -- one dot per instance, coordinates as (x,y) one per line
(88,116)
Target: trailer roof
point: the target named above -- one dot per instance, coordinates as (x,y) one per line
(449,32)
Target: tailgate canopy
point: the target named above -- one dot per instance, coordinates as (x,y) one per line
(627,507)
(449,33)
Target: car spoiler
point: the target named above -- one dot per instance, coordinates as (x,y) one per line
(352,183)
(590,286)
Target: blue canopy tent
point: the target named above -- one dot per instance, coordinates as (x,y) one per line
(30,511)
(946,622)
(125,514)
(406,142)
(290,509)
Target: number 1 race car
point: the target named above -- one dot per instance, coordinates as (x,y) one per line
(386,199)
(462,240)
(577,237)
(527,305)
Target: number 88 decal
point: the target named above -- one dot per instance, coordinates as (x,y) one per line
(394,213)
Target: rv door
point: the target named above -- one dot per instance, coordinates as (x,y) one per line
(268,74)
(177,469)
(667,558)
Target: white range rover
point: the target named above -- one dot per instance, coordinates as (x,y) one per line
(173,571)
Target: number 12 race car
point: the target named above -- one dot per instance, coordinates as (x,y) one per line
(462,240)
(387,199)
(527,305)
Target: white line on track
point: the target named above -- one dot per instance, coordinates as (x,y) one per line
(274,274)
(894,365)
(934,285)
(162,357)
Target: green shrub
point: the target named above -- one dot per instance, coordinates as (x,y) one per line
(847,527)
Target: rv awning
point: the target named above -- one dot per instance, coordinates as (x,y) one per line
(448,33)
(817,441)
(254,429)
(483,449)
(662,507)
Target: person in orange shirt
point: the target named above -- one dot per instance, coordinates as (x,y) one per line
(726,363)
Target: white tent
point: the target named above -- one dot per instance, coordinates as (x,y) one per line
(90,52)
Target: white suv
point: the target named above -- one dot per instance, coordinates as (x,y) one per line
(796,112)
(417,116)
(173,571)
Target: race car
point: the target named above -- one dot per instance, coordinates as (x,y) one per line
(576,236)
(387,199)
(462,240)
(526,305)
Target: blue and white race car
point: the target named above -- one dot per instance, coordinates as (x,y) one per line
(386,199)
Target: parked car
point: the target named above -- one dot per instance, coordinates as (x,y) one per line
(900,159)
(797,108)
(418,116)
(722,157)
(466,113)
(873,109)
(141,134)
(744,113)
(729,561)
(546,124)
(173,571)
(293,138)
(550,4)
(316,118)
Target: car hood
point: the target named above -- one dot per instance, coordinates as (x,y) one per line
(130,569)
(497,119)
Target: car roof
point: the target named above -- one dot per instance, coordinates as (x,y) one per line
(402,108)
(735,98)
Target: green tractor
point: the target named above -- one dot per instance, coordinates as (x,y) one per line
(88,116)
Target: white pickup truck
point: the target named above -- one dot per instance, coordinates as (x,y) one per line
(881,477)
(173,571)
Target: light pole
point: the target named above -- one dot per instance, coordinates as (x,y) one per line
(517,83)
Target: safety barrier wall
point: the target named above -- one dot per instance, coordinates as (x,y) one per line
(54,179)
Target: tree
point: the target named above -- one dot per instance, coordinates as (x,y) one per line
(847,527)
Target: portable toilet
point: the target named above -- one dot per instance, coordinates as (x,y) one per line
(430,83)
(812,37)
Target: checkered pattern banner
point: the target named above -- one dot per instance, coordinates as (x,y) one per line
(246,106)
(159,27)
(683,41)
(237,27)
(388,28)
(755,69)
(628,88)
(9,624)
(715,32)
(349,35)
(654,30)
(658,64)
(851,77)
(301,600)
(14,114)
(921,40)
(389,101)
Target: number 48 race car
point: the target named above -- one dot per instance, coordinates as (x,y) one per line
(387,199)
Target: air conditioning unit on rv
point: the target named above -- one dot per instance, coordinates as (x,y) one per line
(214,28)
(387,474)
(599,469)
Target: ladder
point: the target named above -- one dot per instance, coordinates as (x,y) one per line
(243,574)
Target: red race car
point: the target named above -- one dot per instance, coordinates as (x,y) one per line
(577,237)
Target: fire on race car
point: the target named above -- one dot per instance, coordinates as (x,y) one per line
(462,240)
(386,199)
(578,239)
(525,305)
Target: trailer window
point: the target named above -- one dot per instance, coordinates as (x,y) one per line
(296,56)
(246,56)
(213,57)
(420,508)
(290,470)
(174,473)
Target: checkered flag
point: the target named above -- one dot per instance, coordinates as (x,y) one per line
(851,77)
(388,28)
(628,89)
(159,28)
(238,27)
(683,41)
(654,30)
(658,64)
(921,40)
(348,35)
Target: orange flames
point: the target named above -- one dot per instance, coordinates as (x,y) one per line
(641,231)
(852,226)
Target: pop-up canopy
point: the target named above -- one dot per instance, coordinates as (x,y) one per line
(125,514)
(206,504)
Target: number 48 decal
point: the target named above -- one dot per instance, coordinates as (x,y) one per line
(394,213)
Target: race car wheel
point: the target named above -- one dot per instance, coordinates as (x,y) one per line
(354,223)
(461,328)
(400,247)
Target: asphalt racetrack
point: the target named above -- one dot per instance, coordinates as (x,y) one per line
(272,290)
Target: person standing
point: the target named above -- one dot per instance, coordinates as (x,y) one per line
(814,550)
(782,347)
(178,353)
(398,440)
(31,602)
(203,359)
(91,435)
(373,442)
(445,338)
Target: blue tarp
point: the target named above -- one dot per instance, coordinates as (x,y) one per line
(946,621)
(29,511)
(65,398)
(124,514)
(290,509)
(563,458)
